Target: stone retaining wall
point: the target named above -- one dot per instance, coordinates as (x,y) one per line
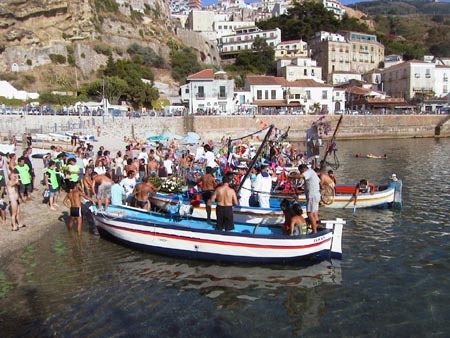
(215,127)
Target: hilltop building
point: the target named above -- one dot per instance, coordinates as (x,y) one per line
(346,51)
(243,38)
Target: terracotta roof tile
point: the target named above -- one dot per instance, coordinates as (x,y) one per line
(203,74)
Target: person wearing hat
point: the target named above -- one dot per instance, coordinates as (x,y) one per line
(246,187)
(263,186)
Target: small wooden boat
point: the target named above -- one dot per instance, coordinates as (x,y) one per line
(177,235)
(344,197)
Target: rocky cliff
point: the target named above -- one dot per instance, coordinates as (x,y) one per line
(78,34)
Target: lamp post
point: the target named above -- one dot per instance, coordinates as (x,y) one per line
(191,98)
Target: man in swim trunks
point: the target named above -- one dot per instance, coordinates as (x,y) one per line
(208,183)
(142,192)
(226,198)
(101,186)
(73,196)
(152,166)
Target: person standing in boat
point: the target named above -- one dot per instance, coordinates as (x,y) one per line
(226,198)
(263,186)
(246,187)
(312,193)
(208,183)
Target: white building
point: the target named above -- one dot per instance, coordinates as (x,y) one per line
(335,7)
(340,77)
(9,92)
(416,79)
(243,38)
(300,68)
(291,49)
(207,92)
(272,93)
(224,28)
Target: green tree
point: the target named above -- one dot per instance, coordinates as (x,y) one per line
(148,56)
(184,62)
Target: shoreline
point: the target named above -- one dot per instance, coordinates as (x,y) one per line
(37,216)
(236,126)
(40,219)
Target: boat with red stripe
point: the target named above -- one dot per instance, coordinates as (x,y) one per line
(180,235)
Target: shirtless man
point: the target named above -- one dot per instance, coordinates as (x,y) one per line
(153,166)
(103,192)
(226,198)
(13,195)
(73,196)
(142,192)
(327,188)
(208,184)
(86,181)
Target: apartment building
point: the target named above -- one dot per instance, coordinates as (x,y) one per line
(335,7)
(243,38)
(291,49)
(346,52)
(416,79)
(300,68)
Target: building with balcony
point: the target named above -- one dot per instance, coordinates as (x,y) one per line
(415,79)
(300,68)
(243,38)
(291,49)
(346,52)
(208,92)
(335,7)
(275,95)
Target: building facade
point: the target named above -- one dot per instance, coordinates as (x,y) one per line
(300,68)
(243,38)
(346,52)
(291,49)
(208,92)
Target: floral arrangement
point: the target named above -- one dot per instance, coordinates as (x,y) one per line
(168,185)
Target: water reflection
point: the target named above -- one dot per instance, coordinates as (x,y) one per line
(392,261)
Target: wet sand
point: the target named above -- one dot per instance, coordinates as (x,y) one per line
(37,216)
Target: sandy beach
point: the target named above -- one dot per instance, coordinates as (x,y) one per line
(37,217)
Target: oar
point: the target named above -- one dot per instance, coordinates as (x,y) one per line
(354,206)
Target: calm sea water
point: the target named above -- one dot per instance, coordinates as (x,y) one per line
(393,281)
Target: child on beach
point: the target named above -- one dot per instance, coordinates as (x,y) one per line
(74,197)
(13,195)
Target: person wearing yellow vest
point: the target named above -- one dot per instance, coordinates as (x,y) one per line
(73,176)
(23,170)
(52,184)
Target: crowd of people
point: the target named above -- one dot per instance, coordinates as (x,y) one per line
(220,174)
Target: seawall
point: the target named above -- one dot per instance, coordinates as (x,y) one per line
(216,127)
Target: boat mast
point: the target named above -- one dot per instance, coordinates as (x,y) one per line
(322,163)
(255,158)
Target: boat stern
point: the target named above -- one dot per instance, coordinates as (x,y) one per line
(337,226)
